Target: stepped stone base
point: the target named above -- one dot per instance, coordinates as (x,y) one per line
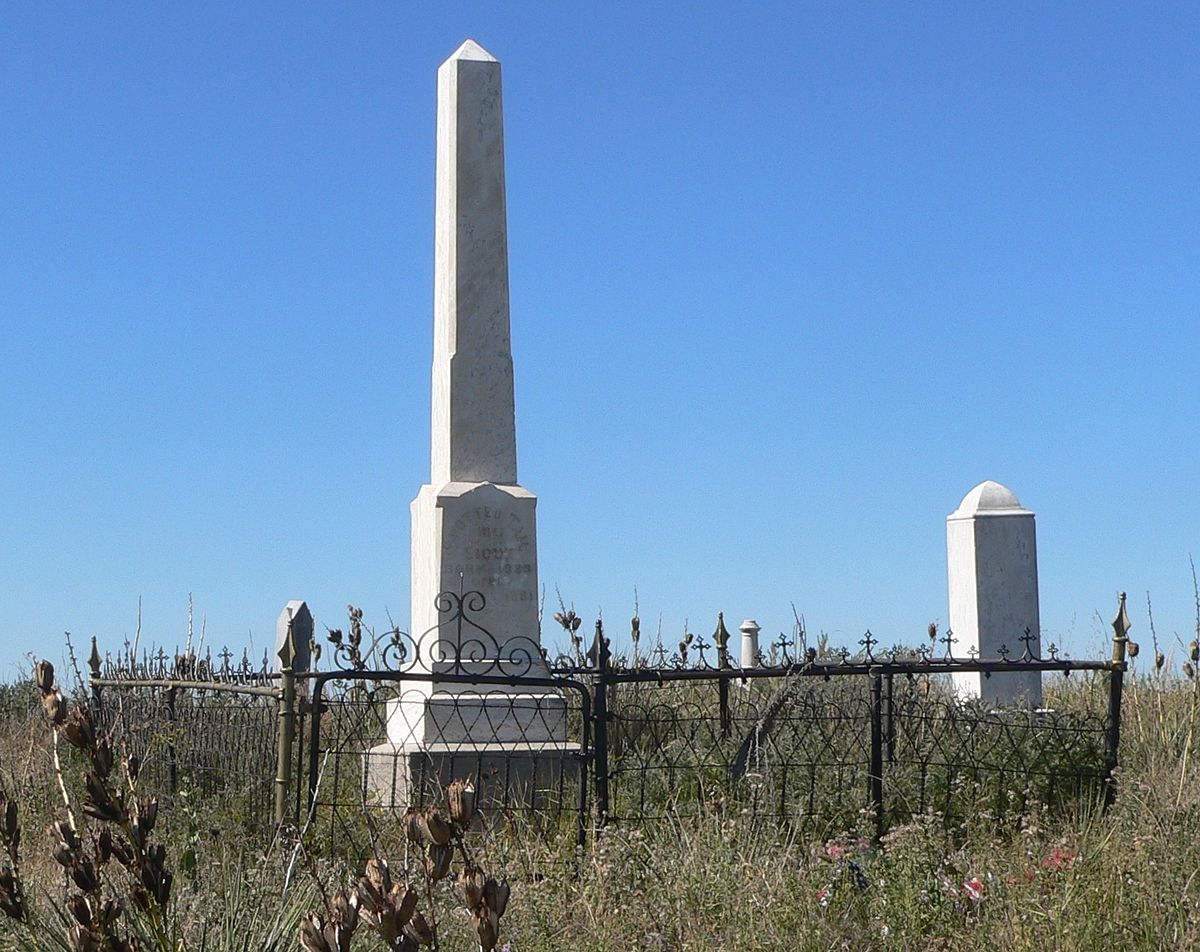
(513,775)
(467,716)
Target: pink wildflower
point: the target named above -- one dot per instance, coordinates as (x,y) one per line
(835,850)
(1058,860)
(973,888)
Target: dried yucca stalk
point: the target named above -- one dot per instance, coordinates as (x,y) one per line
(123,841)
(12,893)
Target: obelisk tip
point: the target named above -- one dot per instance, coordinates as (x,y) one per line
(470,50)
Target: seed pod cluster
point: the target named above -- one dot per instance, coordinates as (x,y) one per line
(427,827)
(485,899)
(333,930)
(437,861)
(460,800)
(436,834)
(80,732)
(390,909)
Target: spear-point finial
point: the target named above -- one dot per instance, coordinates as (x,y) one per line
(721,637)
(1121,626)
(287,651)
(94,659)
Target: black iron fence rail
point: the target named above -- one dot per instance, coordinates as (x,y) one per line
(220,687)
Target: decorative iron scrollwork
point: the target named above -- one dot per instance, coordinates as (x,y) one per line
(457,644)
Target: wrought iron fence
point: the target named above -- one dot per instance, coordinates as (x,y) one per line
(829,738)
(202,725)
(804,735)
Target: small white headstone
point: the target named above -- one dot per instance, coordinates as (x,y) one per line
(991,549)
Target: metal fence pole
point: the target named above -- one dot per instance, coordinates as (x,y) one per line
(723,703)
(721,638)
(1116,680)
(586,707)
(314,742)
(890,733)
(600,724)
(172,756)
(94,673)
(876,770)
(287,725)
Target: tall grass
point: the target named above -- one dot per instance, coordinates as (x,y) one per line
(1036,879)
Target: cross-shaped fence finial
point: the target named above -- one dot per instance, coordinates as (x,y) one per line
(868,641)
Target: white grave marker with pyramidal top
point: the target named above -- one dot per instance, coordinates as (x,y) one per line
(991,554)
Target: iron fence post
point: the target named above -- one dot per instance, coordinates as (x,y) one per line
(172,757)
(287,725)
(585,740)
(314,742)
(723,701)
(876,769)
(890,732)
(299,750)
(1116,680)
(600,725)
(94,675)
(721,637)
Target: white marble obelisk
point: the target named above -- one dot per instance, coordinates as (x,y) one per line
(473,527)
(991,550)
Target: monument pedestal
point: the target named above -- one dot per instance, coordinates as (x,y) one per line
(476,537)
(476,715)
(512,740)
(513,775)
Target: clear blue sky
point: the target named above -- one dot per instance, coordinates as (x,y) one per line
(787,281)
